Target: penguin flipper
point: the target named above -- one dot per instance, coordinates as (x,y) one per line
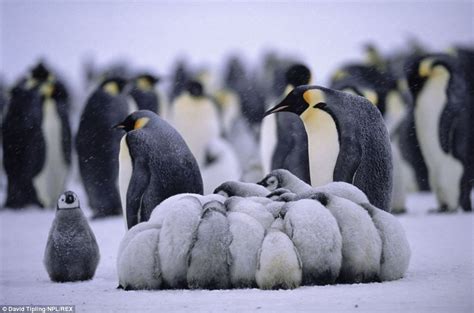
(347,163)
(136,188)
(446,128)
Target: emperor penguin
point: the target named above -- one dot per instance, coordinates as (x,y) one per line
(247,237)
(347,140)
(23,138)
(57,135)
(278,264)
(442,128)
(282,178)
(241,189)
(138,262)
(251,208)
(315,233)
(144,94)
(71,252)
(283,139)
(155,163)
(209,258)
(98,146)
(196,118)
(177,233)
(361,243)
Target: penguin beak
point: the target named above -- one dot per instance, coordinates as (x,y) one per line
(118,126)
(281,107)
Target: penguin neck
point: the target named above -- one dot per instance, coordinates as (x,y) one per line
(68,218)
(323,145)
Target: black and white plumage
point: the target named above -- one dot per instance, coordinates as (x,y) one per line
(347,140)
(441,115)
(316,235)
(144,94)
(209,257)
(282,178)
(162,165)
(71,252)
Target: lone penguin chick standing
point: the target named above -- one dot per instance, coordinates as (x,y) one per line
(72,252)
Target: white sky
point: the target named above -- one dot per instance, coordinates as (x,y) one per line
(154,33)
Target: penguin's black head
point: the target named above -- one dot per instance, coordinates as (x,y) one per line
(145,82)
(300,99)
(137,120)
(113,85)
(195,88)
(297,75)
(67,201)
(41,73)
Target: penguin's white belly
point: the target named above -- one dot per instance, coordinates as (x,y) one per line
(49,183)
(268,141)
(444,170)
(323,145)
(198,123)
(125,174)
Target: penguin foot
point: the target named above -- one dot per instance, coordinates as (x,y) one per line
(442,209)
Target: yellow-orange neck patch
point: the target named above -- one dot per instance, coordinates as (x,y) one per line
(141,122)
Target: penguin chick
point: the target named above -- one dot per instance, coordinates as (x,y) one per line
(247,237)
(71,252)
(241,189)
(278,264)
(347,140)
(396,251)
(339,189)
(281,194)
(139,264)
(162,165)
(249,207)
(282,178)
(315,233)
(177,233)
(361,243)
(209,258)
(275,208)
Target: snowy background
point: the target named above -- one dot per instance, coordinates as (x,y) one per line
(153,35)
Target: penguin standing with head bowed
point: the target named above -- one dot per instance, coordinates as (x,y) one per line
(283,140)
(155,164)
(72,252)
(442,127)
(347,140)
(98,146)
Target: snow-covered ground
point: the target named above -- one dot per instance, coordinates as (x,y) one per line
(439,279)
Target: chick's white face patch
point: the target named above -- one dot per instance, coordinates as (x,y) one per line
(68,201)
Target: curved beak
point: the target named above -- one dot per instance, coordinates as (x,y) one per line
(280,107)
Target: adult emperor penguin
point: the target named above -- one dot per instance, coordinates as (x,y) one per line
(316,235)
(71,252)
(195,117)
(209,258)
(155,163)
(56,129)
(442,127)
(278,264)
(22,138)
(283,140)
(98,146)
(144,94)
(347,139)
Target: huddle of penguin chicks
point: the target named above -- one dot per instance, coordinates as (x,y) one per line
(278,234)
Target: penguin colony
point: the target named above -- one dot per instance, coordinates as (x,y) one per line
(245,236)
